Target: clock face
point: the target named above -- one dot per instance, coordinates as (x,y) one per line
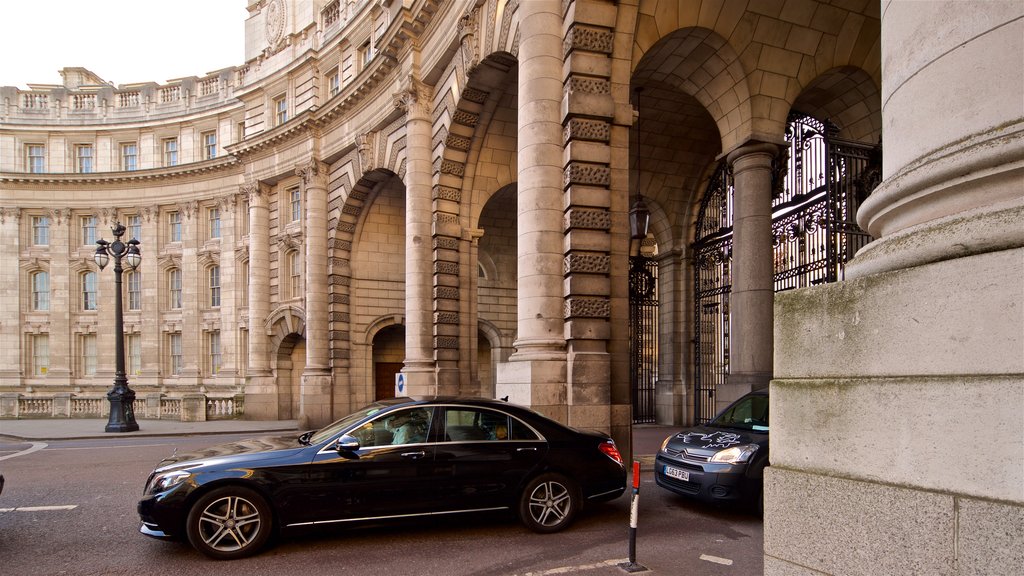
(275,21)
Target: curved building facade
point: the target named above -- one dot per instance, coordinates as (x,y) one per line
(444,190)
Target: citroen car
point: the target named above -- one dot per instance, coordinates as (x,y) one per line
(392,460)
(722,461)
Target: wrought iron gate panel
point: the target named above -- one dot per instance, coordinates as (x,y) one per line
(818,186)
(643,336)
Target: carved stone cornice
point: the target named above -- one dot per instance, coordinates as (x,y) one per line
(309,171)
(59,215)
(13,213)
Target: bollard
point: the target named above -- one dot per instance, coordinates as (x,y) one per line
(631,565)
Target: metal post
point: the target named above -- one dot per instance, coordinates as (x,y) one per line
(631,565)
(121,397)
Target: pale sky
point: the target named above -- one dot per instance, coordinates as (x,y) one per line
(122,41)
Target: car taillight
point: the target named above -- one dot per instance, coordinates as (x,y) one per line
(610,450)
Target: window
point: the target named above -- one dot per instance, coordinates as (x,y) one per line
(174,353)
(214,286)
(245,284)
(174,288)
(35,158)
(88,230)
(214,346)
(244,220)
(365,54)
(334,82)
(174,226)
(295,196)
(129,156)
(133,353)
(214,219)
(41,291)
(294,274)
(471,425)
(134,222)
(83,158)
(209,145)
(134,290)
(408,426)
(280,110)
(40,231)
(40,344)
(88,291)
(88,359)
(171,152)
(240,129)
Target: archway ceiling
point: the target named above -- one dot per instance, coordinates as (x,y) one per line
(849,98)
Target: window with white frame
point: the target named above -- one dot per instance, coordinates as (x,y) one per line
(40,230)
(174,226)
(294,274)
(213,344)
(171,152)
(35,158)
(83,158)
(40,344)
(174,288)
(134,224)
(295,199)
(88,230)
(88,357)
(41,291)
(174,357)
(365,54)
(88,280)
(133,353)
(209,145)
(280,110)
(134,283)
(213,217)
(129,156)
(214,286)
(334,82)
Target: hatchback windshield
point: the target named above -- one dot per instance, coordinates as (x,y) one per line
(750,413)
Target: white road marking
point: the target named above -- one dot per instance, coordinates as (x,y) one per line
(716,560)
(39,508)
(111,447)
(581,568)
(36,446)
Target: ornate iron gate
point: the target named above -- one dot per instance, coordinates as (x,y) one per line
(820,183)
(643,336)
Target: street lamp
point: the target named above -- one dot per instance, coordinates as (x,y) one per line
(121,397)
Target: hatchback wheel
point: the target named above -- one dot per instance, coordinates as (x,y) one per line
(549,503)
(229,522)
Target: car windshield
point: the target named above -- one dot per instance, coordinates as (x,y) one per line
(749,413)
(339,425)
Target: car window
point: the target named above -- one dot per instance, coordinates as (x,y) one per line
(478,425)
(749,413)
(406,426)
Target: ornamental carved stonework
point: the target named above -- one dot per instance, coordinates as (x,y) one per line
(587,85)
(587,263)
(446,243)
(589,39)
(588,308)
(466,118)
(587,174)
(274,21)
(446,317)
(446,292)
(588,219)
(457,142)
(453,167)
(446,268)
(447,193)
(13,213)
(446,342)
(588,129)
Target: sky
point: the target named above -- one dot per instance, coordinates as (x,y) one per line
(121,41)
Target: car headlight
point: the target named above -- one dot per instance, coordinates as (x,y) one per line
(736,454)
(167,480)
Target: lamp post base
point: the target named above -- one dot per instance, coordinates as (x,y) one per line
(122,411)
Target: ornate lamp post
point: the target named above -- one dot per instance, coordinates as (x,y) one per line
(121,397)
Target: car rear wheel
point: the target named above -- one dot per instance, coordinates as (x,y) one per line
(549,503)
(229,522)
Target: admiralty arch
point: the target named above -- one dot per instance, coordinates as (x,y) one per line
(612,211)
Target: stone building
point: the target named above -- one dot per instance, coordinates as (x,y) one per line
(443,189)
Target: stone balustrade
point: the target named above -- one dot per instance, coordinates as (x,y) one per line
(186,408)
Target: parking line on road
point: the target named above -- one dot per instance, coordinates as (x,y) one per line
(40,508)
(716,560)
(580,568)
(36,446)
(110,447)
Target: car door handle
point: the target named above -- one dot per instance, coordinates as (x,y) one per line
(414,455)
(526,449)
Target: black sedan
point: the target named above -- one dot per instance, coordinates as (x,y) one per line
(723,460)
(393,459)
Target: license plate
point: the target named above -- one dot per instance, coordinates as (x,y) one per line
(677,474)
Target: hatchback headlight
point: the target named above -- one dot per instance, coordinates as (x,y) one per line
(167,480)
(736,454)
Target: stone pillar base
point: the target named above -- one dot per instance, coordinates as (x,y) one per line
(539,384)
(420,381)
(193,408)
(315,410)
(261,398)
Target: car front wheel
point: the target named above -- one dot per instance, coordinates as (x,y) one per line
(229,522)
(549,503)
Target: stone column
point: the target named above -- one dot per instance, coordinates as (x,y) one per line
(195,279)
(315,402)
(11,330)
(753,291)
(419,321)
(536,373)
(229,213)
(260,388)
(65,294)
(898,392)
(154,299)
(675,333)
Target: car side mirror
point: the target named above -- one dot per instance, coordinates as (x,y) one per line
(347,443)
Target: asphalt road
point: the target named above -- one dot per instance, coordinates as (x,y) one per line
(68,507)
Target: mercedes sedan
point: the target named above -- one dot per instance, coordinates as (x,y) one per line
(393,459)
(723,460)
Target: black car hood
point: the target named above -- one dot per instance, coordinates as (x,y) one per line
(713,439)
(250,450)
